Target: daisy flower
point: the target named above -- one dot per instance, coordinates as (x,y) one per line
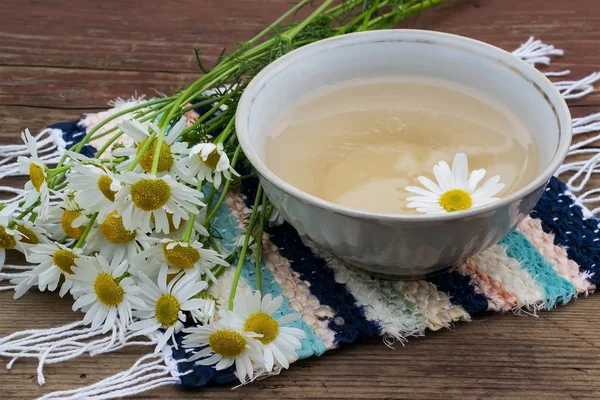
(10,238)
(103,295)
(112,241)
(209,162)
(66,219)
(164,304)
(225,344)
(31,234)
(455,190)
(146,197)
(55,261)
(94,187)
(171,151)
(37,186)
(181,256)
(205,314)
(279,343)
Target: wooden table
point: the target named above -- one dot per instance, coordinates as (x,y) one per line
(60,58)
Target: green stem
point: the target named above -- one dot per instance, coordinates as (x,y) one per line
(85,234)
(141,153)
(242,255)
(228,129)
(293,32)
(259,243)
(211,111)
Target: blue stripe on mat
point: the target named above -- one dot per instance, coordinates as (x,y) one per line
(556,288)
(460,291)
(562,217)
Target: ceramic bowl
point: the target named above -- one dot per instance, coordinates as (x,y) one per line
(393,245)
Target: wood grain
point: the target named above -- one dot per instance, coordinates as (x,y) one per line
(60,58)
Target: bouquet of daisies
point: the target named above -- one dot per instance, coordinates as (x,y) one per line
(128,232)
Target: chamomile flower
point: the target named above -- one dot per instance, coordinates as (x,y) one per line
(113,242)
(209,162)
(205,314)
(180,256)
(31,233)
(279,342)
(66,219)
(37,186)
(146,198)
(10,238)
(455,190)
(223,344)
(171,151)
(164,304)
(93,186)
(55,262)
(103,294)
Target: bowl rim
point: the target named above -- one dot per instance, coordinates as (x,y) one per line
(535,77)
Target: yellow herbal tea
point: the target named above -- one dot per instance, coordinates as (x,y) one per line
(360,143)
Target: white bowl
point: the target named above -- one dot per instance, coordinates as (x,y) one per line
(395,245)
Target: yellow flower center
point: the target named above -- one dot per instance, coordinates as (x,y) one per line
(212,160)
(150,194)
(67,219)
(263,324)
(113,230)
(456,200)
(36,174)
(64,259)
(28,237)
(108,291)
(167,310)
(165,160)
(181,256)
(7,241)
(227,343)
(104,183)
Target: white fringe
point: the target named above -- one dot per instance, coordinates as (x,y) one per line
(149,372)
(50,147)
(535,52)
(67,342)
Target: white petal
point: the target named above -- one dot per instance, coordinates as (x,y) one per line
(460,171)
(475,178)
(429,184)
(443,175)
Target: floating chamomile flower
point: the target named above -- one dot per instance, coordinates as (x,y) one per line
(37,186)
(279,343)
(104,294)
(113,242)
(171,151)
(209,162)
(55,261)
(180,256)
(164,304)
(146,198)
(94,187)
(225,343)
(10,238)
(455,190)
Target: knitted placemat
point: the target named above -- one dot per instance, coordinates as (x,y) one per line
(550,259)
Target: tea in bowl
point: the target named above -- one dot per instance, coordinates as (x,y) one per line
(353,138)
